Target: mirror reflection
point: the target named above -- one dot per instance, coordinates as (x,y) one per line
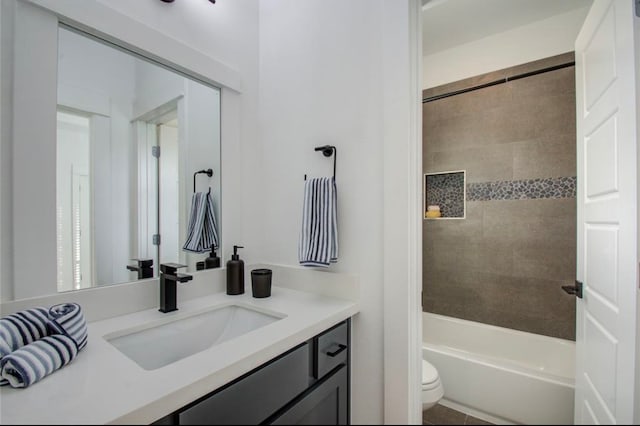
(133,138)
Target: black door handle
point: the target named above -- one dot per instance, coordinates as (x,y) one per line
(574,289)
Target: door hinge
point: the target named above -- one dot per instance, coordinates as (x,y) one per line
(155,151)
(156,239)
(574,289)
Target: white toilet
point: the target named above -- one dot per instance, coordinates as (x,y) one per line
(432,389)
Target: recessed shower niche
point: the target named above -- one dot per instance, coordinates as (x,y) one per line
(444,195)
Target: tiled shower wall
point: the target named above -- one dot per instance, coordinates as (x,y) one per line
(505,263)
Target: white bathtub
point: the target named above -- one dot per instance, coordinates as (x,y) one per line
(501,375)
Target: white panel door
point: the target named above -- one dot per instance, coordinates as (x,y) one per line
(607,259)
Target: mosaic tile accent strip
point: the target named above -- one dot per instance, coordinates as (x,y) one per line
(528,189)
(447,191)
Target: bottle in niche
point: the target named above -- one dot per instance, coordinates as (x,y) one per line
(235,273)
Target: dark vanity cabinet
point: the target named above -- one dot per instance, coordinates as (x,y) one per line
(308,384)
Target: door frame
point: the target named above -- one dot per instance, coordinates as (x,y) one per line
(402,286)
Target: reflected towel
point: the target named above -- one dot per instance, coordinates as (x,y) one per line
(20,329)
(202,232)
(318,244)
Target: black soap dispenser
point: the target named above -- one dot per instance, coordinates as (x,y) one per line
(235,273)
(213,261)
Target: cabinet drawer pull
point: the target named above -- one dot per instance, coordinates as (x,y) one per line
(337,351)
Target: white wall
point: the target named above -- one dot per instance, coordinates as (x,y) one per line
(322,81)
(331,96)
(33,192)
(6,116)
(636,32)
(537,40)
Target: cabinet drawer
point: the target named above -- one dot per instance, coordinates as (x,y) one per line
(326,403)
(331,349)
(257,396)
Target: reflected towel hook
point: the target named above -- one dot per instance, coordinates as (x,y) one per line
(328,151)
(208,172)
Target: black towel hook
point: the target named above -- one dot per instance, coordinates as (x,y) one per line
(328,151)
(208,172)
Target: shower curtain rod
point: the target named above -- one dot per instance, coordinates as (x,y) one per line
(496,82)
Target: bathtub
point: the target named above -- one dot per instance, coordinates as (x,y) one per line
(501,375)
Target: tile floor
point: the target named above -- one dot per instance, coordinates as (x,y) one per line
(441,415)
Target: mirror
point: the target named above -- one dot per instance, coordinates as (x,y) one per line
(133,137)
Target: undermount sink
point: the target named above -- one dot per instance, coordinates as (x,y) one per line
(155,345)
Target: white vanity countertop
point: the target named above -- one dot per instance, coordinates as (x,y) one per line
(102,385)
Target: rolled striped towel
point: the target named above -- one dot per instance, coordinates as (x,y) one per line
(63,333)
(318,244)
(68,319)
(202,232)
(31,363)
(20,329)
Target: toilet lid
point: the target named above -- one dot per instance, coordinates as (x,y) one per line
(429,373)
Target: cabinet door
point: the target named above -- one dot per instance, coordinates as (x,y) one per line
(326,403)
(255,397)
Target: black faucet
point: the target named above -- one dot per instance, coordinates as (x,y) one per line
(144,268)
(168,279)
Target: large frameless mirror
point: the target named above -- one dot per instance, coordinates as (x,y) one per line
(135,141)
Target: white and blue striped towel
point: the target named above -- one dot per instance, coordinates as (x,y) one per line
(202,232)
(20,329)
(68,319)
(318,244)
(34,361)
(61,333)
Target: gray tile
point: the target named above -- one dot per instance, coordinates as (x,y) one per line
(551,156)
(559,329)
(530,230)
(551,83)
(487,257)
(441,415)
(455,132)
(464,84)
(468,230)
(562,59)
(545,262)
(504,264)
(553,208)
(444,307)
(470,420)
(482,164)
(470,102)
(555,115)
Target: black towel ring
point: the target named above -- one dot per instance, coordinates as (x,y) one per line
(328,151)
(208,172)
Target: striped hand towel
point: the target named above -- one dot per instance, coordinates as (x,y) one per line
(68,319)
(318,244)
(20,329)
(202,232)
(61,332)
(32,362)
